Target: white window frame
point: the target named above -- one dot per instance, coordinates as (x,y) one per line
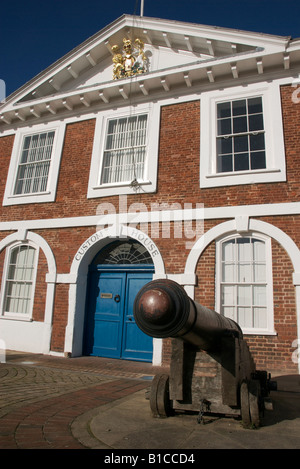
(275,170)
(12,315)
(149,182)
(269,330)
(35,197)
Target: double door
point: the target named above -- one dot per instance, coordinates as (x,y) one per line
(111,330)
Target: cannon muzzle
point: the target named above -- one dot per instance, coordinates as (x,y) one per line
(163,309)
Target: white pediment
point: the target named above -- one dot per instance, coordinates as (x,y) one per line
(167,44)
(170,47)
(157,60)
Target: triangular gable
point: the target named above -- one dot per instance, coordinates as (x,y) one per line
(167,44)
(170,47)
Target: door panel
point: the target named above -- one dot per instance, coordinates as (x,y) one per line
(135,345)
(107,314)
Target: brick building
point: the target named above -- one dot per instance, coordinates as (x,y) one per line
(155,149)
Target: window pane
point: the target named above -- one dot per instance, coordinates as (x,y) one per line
(228,295)
(244,249)
(258,160)
(224,164)
(239,125)
(228,272)
(228,251)
(239,108)
(254,105)
(223,110)
(257,142)
(245,273)
(259,295)
(245,317)
(224,127)
(256,122)
(241,162)
(259,271)
(244,295)
(259,251)
(229,312)
(260,318)
(241,144)
(224,145)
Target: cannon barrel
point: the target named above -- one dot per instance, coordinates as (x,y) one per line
(163,309)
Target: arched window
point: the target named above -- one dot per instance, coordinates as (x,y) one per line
(124,252)
(19,281)
(244,282)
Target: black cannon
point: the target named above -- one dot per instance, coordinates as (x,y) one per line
(211,369)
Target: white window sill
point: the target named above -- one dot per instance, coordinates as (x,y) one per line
(258,332)
(38,197)
(243,177)
(240,173)
(131,184)
(16,317)
(121,188)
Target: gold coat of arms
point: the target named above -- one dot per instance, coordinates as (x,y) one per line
(131,61)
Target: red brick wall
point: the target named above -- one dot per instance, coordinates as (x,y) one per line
(6,145)
(270,352)
(73,178)
(178,182)
(60,317)
(178,168)
(38,312)
(2,258)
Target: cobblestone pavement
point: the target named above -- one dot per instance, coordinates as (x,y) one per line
(51,402)
(41,396)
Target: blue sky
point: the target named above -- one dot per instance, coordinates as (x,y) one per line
(34,34)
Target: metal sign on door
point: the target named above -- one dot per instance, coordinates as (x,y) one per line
(110,327)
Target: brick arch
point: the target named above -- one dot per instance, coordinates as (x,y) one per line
(237,226)
(38,241)
(78,281)
(100,239)
(36,332)
(231,227)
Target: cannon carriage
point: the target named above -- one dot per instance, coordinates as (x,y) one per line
(211,370)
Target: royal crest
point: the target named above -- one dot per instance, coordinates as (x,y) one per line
(131,61)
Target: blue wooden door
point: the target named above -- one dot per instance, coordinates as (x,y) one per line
(135,344)
(110,329)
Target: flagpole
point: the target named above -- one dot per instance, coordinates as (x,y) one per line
(142,7)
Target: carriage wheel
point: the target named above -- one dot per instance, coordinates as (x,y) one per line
(245,407)
(159,396)
(250,408)
(254,397)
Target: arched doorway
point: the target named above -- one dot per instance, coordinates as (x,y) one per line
(116,275)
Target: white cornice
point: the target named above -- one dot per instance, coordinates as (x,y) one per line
(197,213)
(186,79)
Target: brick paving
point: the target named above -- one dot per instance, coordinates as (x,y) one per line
(90,402)
(41,396)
